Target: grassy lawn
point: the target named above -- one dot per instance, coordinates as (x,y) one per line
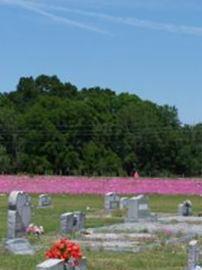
(168,204)
(166,257)
(158,259)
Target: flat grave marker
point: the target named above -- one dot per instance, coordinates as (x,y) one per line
(19,246)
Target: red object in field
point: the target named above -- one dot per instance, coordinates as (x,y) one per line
(66,250)
(136,175)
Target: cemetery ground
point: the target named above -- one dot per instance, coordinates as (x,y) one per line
(159,256)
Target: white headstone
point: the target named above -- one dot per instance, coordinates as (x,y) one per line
(193,255)
(56,264)
(45,201)
(51,264)
(198,267)
(19,213)
(138,208)
(112,201)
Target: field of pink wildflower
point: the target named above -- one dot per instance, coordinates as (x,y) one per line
(101,185)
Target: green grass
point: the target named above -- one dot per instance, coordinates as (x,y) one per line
(168,204)
(161,258)
(169,257)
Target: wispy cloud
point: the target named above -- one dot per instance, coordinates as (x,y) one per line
(136,22)
(59,19)
(43,10)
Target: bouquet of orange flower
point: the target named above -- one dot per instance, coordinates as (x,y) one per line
(66,250)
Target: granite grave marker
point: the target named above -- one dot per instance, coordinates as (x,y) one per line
(66,223)
(19,213)
(112,201)
(138,208)
(124,202)
(79,221)
(45,201)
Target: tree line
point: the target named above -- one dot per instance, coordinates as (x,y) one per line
(51,127)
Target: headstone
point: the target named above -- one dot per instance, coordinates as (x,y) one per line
(198,267)
(66,223)
(112,201)
(138,208)
(57,264)
(124,202)
(19,213)
(72,222)
(180,209)
(79,221)
(185,208)
(19,246)
(51,264)
(44,201)
(193,255)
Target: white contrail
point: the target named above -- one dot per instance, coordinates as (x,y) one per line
(135,22)
(35,8)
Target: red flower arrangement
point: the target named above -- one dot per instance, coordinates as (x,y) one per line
(66,250)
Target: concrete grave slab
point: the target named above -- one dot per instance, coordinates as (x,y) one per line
(19,246)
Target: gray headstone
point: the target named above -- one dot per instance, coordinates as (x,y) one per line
(66,223)
(45,201)
(72,222)
(79,221)
(19,246)
(19,213)
(138,208)
(111,201)
(180,209)
(124,202)
(51,264)
(193,255)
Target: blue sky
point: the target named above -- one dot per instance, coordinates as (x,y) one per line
(152,48)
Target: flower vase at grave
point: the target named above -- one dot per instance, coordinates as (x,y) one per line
(68,267)
(81,264)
